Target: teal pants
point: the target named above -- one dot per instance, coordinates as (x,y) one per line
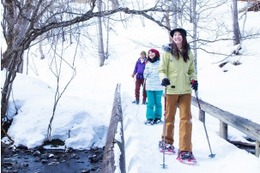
(154,105)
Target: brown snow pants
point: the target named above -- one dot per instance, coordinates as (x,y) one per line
(185,126)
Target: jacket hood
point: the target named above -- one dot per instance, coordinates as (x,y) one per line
(167,47)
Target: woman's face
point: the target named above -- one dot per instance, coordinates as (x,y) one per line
(177,38)
(151,54)
(142,55)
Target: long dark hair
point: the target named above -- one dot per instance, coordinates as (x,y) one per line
(184,51)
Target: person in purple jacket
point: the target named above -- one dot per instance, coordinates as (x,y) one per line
(139,78)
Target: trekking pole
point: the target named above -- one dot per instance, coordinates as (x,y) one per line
(164,128)
(211,155)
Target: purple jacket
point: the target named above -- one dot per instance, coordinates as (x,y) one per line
(139,68)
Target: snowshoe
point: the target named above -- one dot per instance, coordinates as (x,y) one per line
(186,157)
(157,121)
(149,122)
(167,148)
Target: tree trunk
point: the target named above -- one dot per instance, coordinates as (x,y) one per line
(101,53)
(175,14)
(195,27)
(15,61)
(9,23)
(236,29)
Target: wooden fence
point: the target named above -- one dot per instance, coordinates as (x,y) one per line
(244,125)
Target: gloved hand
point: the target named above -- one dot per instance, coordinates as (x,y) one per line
(194,85)
(165,82)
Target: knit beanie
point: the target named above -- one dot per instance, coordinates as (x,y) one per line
(157,54)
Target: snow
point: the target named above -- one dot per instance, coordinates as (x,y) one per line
(142,153)
(83,113)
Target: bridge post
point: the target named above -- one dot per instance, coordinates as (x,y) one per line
(223,130)
(257,148)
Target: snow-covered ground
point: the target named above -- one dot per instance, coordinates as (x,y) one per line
(142,155)
(83,113)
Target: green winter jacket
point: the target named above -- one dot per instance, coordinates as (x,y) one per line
(179,72)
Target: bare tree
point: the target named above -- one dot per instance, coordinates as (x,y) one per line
(24,21)
(56,67)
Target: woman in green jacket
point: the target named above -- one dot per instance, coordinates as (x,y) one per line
(177,72)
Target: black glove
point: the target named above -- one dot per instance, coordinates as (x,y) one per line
(194,85)
(165,82)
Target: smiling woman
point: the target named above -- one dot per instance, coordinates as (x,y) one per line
(177,72)
(154,89)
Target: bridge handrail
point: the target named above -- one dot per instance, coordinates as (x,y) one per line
(115,137)
(244,125)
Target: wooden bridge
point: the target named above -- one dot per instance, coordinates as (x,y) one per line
(115,134)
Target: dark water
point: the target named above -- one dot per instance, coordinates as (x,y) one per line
(22,160)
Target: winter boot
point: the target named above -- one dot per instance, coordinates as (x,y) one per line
(136,102)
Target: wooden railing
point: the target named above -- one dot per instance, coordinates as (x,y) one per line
(244,125)
(115,137)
